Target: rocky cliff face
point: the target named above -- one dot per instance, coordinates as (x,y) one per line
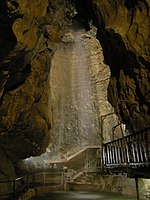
(123,30)
(29,29)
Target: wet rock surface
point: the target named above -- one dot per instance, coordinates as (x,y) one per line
(123,31)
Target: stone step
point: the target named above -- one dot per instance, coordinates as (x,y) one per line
(83,183)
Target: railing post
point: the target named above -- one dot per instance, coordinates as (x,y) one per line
(127,150)
(111,158)
(137,188)
(137,148)
(14,189)
(145,147)
(141,148)
(108,155)
(119,152)
(105,155)
(115,153)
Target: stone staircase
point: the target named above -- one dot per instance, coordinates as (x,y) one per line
(77,176)
(82,181)
(77,168)
(79,180)
(84,178)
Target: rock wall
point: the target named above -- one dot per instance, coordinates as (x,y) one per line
(144,187)
(22,87)
(100,77)
(29,30)
(118,184)
(123,30)
(28,37)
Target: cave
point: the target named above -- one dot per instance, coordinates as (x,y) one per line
(75,94)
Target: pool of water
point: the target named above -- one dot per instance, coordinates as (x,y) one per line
(82,196)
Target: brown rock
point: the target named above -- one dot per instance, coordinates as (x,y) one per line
(123,30)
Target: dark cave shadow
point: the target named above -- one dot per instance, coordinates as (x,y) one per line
(77,24)
(84,12)
(116,55)
(130,4)
(7,37)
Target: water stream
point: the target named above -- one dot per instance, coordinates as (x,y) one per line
(76,68)
(78,96)
(74,118)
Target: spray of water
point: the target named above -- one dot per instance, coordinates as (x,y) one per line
(76,126)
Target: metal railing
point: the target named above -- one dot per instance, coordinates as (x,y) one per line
(14,187)
(20,185)
(131,150)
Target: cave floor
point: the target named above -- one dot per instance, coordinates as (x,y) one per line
(83,195)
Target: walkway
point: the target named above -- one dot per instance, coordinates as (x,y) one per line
(130,154)
(75,165)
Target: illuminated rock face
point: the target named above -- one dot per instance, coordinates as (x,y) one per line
(123,30)
(78,81)
(29,27)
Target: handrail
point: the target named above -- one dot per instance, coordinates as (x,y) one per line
(21,183)
(27,181)
(14,190)
(67,159)
(136,150)
(138,132)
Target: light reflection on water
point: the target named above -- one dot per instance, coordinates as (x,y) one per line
(83,196)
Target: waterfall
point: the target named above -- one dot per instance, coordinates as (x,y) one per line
(76,122)
(78,95)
